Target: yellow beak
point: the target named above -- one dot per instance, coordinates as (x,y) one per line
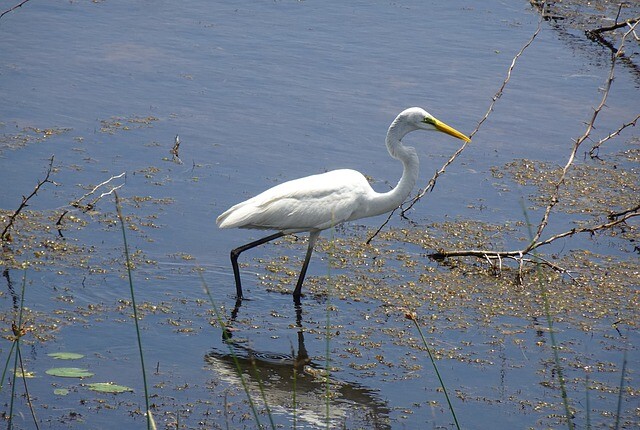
(441,126)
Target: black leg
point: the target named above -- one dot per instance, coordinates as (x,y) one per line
(236,253)
(312,240)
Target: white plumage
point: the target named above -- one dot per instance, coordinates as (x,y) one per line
(315,203)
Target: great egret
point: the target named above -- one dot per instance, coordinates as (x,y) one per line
(315,203)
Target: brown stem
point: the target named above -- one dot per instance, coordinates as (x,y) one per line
(25,200)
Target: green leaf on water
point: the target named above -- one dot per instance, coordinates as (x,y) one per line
(61,391)
(69,372)
(65,355)
(108,387)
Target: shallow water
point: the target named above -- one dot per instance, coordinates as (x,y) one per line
(259,94)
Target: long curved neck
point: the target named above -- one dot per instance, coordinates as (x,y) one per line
(386,202)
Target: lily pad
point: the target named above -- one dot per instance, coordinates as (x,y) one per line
(61,391)
(65,355)
(69,372)
(108,387)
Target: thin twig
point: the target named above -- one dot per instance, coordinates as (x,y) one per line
(25,200)
(591,230)
(593,152)
(614,215)
(617,218)
(13,8)
(91,205)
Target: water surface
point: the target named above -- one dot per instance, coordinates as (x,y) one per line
(261,93)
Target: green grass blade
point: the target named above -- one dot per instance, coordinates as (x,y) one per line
(412,317)
(150,423)
(588,401)
(6,364)
(26,389)
(17,345)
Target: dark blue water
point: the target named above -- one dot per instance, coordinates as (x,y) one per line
(260,93)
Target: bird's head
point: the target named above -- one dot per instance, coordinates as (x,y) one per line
(420,119)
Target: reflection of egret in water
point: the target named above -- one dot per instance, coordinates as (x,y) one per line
(277,374)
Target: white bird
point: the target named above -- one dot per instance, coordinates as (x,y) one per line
(315,203)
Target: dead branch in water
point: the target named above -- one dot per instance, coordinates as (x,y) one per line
(553,198)
(615,26)
(495,257)
(5,236)
(88,206)
(615,219)
(593,152)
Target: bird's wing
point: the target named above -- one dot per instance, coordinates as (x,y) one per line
(311,203)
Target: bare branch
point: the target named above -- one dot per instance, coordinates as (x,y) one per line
(91,205)
(614,215)
(630,213)
(593,153)
(615,219)
(382,226)
(495,258)
(13,8)
(5,235)
(553,200)
(628,22)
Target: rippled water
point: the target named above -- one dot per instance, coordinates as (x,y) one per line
(260,93)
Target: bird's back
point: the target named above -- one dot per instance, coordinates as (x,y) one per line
(311,203)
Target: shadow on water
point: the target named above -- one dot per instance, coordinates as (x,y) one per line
(279,377)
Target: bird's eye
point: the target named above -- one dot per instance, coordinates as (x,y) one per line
(428,120)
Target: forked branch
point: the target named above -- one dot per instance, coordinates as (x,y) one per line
(85,207)
(614,218)
(593,152)
(5,236)
(553,199)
